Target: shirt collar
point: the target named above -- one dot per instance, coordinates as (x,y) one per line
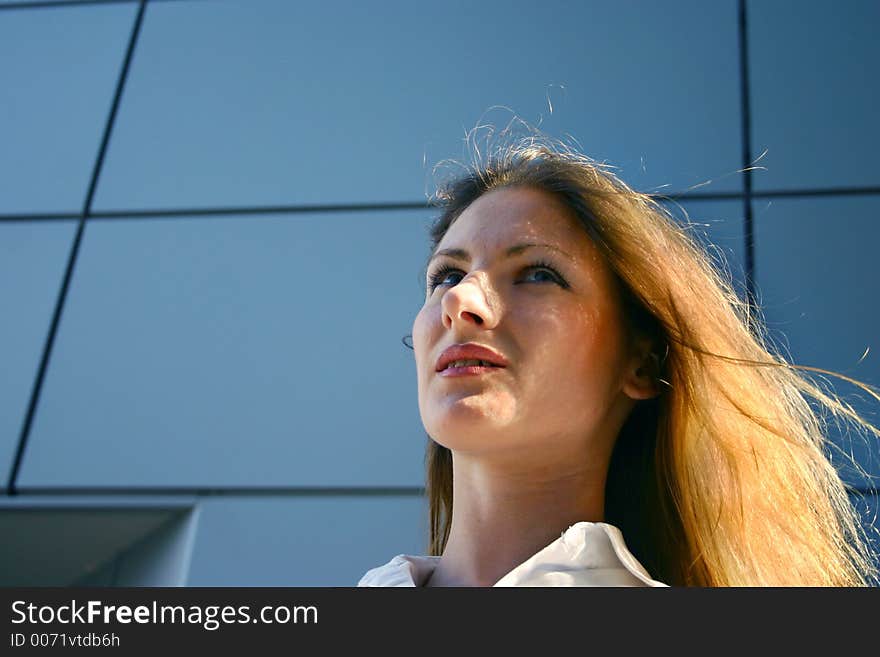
(586,554)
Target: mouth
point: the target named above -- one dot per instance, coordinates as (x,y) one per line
(468,368)
(470,357)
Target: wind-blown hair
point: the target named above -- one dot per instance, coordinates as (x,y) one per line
(724,478)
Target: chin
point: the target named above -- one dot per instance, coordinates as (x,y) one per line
(467,423)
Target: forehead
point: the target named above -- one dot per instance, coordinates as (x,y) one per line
(506,216)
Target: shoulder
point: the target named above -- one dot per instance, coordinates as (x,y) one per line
(626,558)
(402,570)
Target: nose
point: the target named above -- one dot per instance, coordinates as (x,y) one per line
(468,304)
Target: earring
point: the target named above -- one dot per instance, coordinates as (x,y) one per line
(665,355)
(659,363)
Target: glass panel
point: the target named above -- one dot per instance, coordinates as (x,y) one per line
(815,93)
(33,256)
(815,262)
(234,103)
(237,351)
(57,81)
(242,338)
(30,2)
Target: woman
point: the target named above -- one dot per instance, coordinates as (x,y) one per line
(586,374)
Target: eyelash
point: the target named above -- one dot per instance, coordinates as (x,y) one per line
(435,279)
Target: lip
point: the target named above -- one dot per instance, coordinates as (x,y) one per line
(469,351)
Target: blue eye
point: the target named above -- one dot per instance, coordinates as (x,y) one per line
(440,275)
(549,273)
(541,272)
(550,276)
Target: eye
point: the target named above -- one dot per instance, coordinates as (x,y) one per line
(538,272)
(439,277)
(547,274)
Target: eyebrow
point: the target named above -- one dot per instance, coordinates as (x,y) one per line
(461,254)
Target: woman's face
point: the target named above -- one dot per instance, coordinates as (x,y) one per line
(517,274)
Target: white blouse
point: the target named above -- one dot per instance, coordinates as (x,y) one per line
(586,554)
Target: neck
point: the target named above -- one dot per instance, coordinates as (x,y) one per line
(504,513)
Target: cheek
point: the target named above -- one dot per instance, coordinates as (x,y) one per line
(601,358)
(424,325)
(577,355)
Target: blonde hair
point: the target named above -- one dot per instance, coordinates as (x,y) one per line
(723,479)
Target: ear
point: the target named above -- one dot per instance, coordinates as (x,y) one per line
(640,378)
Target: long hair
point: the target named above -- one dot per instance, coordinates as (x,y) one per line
(724,478)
